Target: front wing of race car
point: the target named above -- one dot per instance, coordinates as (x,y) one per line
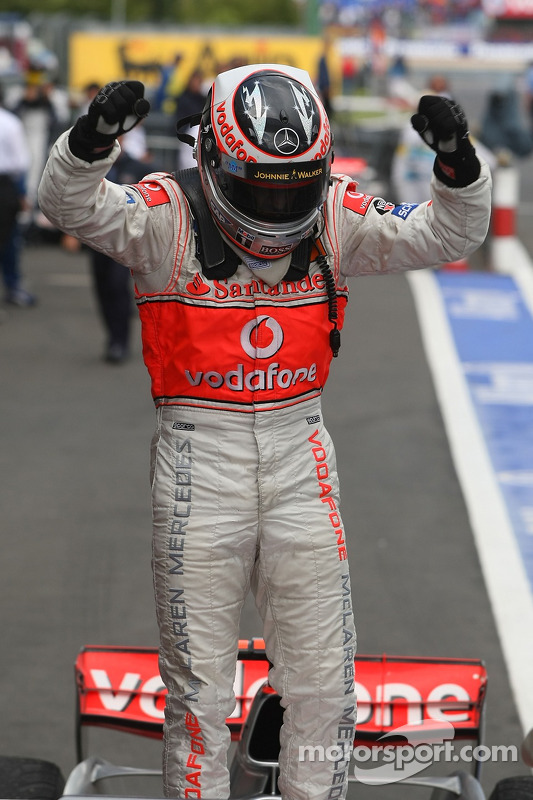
(398,697)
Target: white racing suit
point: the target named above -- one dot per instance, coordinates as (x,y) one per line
(245,489)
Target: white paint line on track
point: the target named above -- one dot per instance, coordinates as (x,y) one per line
(501,562)
(510,257)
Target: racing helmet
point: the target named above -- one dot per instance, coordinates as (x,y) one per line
(264,154)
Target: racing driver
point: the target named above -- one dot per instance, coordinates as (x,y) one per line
(240,269)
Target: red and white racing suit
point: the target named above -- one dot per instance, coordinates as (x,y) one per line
(245,488)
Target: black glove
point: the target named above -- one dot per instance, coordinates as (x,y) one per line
(443,126)
(115,110)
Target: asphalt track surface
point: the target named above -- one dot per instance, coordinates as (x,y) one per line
(75,518)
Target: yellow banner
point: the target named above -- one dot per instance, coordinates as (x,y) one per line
(101,57)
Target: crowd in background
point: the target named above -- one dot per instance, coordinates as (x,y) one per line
(400,13)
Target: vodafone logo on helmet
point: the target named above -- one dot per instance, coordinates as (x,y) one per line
(250,333)
(226,131)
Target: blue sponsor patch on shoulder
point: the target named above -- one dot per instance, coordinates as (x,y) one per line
(404,209)
(130,198)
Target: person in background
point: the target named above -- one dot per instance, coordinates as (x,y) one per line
(190,101)
(161,94)
(505,127)
(112,283)
(39,118)
(15,161)
(412,163)
(527,90)
(90,90)
(400,90)
(323,80)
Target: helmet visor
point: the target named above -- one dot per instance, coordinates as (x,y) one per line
(272,192)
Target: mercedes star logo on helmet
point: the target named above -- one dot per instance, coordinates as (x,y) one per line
(286,141)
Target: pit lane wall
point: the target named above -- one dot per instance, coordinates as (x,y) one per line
(477,329)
